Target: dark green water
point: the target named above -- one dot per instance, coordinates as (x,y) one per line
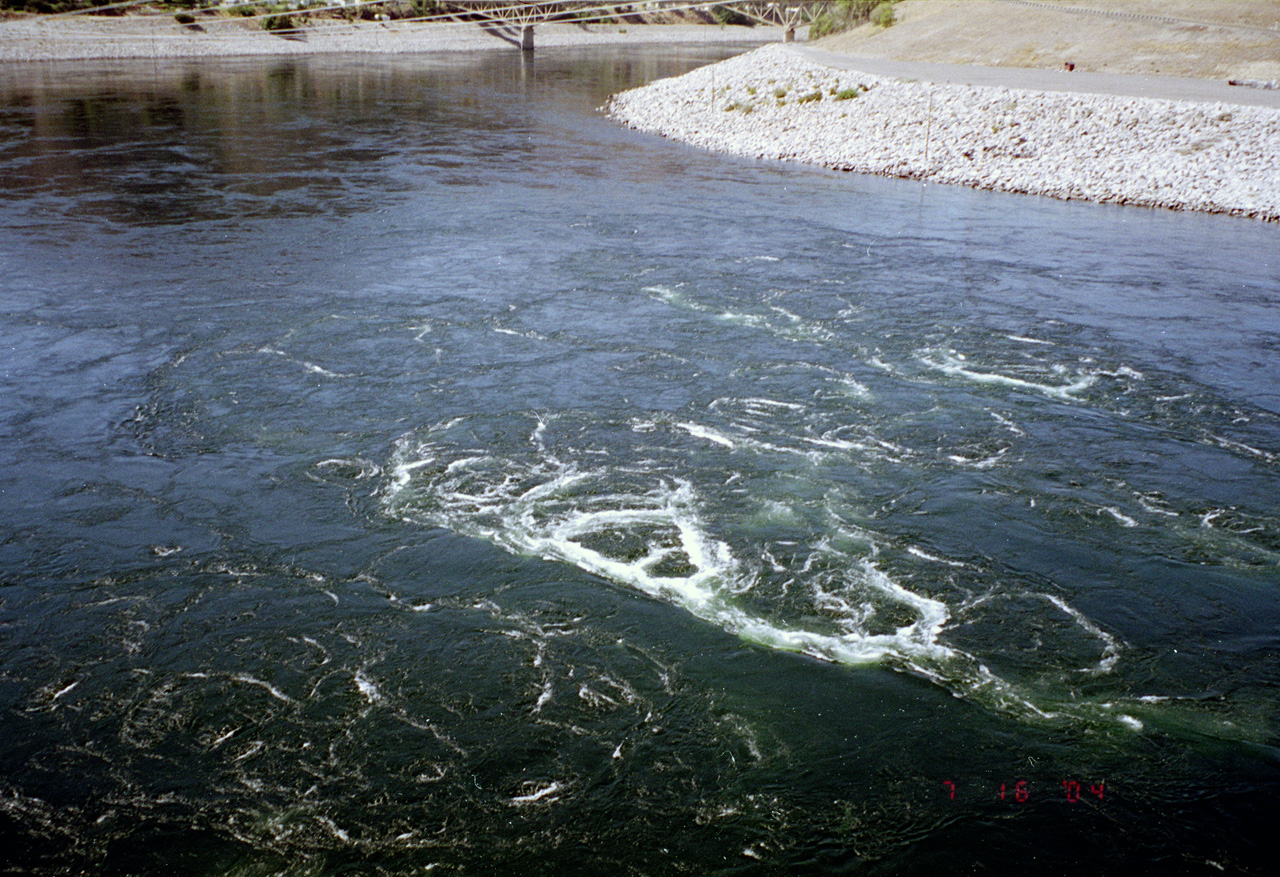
(405,470)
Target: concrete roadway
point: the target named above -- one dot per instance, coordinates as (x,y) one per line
(1121,85)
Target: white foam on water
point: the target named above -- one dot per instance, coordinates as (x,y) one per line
(309,366)
(333,828)
(530,334)
(770,426)
(1130,722)
(366,686)
(778,512)
(271,689)
(1155,506)
(706,432)
(779,321)
(218,741)
(404,471)
(320,370)
(854,388)
(1125,520)
(1242,448)
(654,542)
(745,441)
(656,535)
(539,432)
(923,555)
(950,363)
(363,468)
(547,793)
(1207,519)
(672,296)
(978,462)
(836,444)
(1006,422)
(791,326)
(1111,646)
(544,696)
(765,406)
(1122,372)
(65,690)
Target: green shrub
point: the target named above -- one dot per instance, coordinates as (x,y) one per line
(810,97)
(779,93)
(846,14)
(278,23)
(184,18)
(727,15)
(847,93)
(859,10)
(822,26)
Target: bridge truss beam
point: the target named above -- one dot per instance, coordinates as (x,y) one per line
(524,14)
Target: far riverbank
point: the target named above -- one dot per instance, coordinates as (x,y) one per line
(48,38)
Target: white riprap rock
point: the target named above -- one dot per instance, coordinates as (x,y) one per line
(771,104)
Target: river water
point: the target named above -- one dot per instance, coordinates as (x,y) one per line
(406,469)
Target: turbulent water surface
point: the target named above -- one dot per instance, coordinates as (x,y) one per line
(404,468)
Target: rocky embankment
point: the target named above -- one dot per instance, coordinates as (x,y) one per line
(774,104)
(39,38)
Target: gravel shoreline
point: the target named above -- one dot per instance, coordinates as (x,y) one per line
(773,103)
(42,38)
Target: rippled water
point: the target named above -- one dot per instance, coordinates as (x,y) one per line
(404,467)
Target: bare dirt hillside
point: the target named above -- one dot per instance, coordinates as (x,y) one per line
(1216,39)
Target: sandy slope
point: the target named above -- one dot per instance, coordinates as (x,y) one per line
(1238,39)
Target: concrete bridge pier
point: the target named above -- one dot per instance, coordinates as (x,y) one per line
(789,35)
(526,38)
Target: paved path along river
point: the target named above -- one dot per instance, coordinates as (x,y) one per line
(1070,82)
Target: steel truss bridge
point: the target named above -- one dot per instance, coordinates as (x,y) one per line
(522,15)
(521,12)
(517,17)
(788,14)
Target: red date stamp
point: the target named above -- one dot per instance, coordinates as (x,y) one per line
(1021,791)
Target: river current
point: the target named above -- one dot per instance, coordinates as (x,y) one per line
(405,469)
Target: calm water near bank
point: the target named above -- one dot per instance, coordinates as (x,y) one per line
(403,466)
